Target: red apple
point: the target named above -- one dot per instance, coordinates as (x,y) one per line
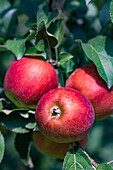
(27,80)
(53,149)
(64,115)
(88,82)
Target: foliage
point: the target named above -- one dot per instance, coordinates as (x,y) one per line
(69,34)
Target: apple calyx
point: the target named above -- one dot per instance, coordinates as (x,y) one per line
(56,111)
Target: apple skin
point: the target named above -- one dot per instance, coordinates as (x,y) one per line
(53,149)
(88,81)
(27,80)
(64,115)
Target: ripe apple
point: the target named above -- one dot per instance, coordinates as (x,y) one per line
(27,80)
(64,115)
(53,149)
(87,80)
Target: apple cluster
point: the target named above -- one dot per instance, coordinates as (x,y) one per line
(63,115)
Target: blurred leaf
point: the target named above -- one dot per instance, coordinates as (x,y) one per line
(76,159)
(15,122)
(4,5)
(73,5)
(88,1)
(30,7)
(1,105)
(104,166)
(6,58)
(9,20)
(44,39)
(104,13)
(22,143)
(111,10)
(1,40)
(2,146)
(16,46)
(99,50)
(3,48)
(61,77)
(64,58)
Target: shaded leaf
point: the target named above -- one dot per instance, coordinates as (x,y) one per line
(52,17)
(22,143)
(42,16)
(17,120)
(76,159)
(16,46)
(73,5)
(30,7)
(31,50)
(104,13)
(2,146)
(99,50)
(4,5)
(64,58)
(44,39)
(88,1)
(111,10)
(9,21)
(1,105)
(57,29)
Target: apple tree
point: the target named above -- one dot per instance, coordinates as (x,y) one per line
(66,35)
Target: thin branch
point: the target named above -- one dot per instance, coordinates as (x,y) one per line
(95,164)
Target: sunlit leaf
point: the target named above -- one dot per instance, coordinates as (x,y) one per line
(16,46)
(76,159)
(99,50)
(104,166)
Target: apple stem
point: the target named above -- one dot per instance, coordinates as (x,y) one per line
(95,164)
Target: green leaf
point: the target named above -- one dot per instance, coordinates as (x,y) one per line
(41,17)
(64,58)
(99,50)
(3,48)
(57,29)
(22,143)
(76,159)
(88,1)
(44,39)
(4,5)
(53,16)
(1,105)
(2,146)
(16,46)
(73,5)
(9,21)
(31,50)
(31,125)
(104,13)
(29,7)
(17,120)
(111,10)
(104,166)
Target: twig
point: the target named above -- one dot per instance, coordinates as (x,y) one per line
(95,164)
